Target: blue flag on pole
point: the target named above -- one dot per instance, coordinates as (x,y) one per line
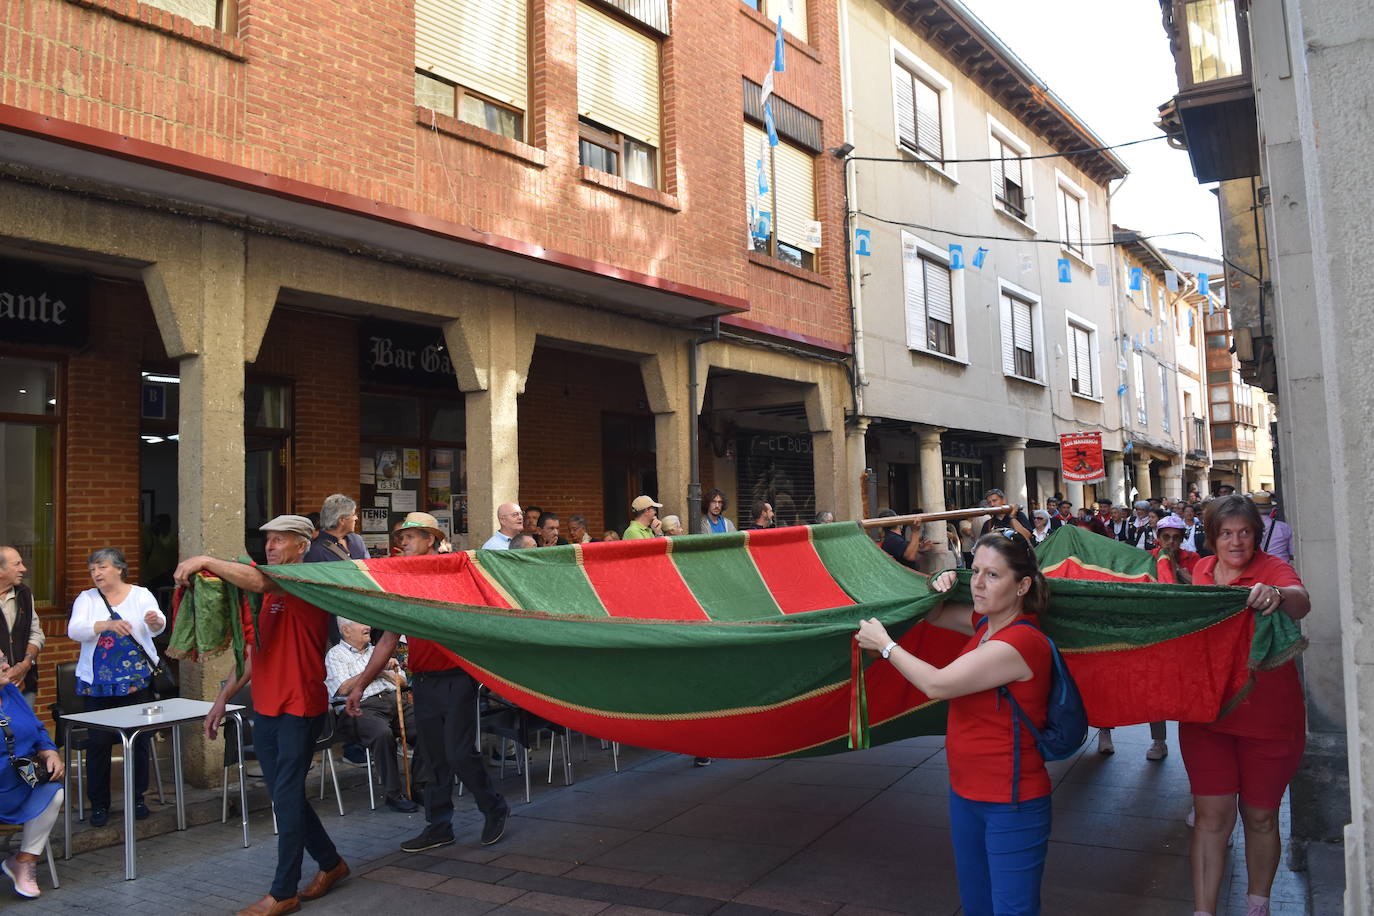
(769,123)
(1190,318)
(1065,274)
(1203,285)
(1152,336)
(956,257)
(979,257)
(777,48)
(1171,281)
(1137,279)
(1121,390)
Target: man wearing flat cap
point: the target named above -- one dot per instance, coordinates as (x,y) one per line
(445,699)
(644,523)
(286,666)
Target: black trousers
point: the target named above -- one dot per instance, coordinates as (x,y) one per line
(378,729)
(98,751)
(446,719)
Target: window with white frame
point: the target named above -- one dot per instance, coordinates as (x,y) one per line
(793,13)
(1073,215)
(617,96)
(932,300)
(792,194)
(921,107)
(1011,189)
(1020,332)
(1083,358)
(1164,396)
(471,62)
(1142,412)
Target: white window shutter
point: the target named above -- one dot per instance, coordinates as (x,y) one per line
(939,291)
(1086,383)
(793,13)
(999,171)
(928,131)
(617,75)
(796,177)
(906,105)
(914,294)
(479,44)
(1022,323)
(1008,356)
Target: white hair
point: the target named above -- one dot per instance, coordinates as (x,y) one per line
(336,508)
(345,622)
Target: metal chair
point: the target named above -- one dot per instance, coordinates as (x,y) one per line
(243,698)
(328,738)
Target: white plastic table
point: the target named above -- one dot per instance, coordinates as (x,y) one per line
(131,724)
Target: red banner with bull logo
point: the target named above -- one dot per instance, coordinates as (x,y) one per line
(1081,457)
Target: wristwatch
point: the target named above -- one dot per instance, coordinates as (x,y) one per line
(887,649)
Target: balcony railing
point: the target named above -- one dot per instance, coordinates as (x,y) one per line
(1196,431)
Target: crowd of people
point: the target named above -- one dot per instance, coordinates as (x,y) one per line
(303,660)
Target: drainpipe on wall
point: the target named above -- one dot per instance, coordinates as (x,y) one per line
(693,447)
(860,379)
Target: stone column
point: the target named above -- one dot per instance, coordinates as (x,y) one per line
(1142,478)
(857,459)
(197,291)
(1014,480)
(666,386)
(1073,492)
(932,464)
(825,420)
(1116,479)
(1171,480)
(491,353)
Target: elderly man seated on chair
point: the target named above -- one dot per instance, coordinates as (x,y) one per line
(380,724)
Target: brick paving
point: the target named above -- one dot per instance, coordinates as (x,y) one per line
(862,833)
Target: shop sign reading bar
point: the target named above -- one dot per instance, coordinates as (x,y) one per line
(405,354)
(40,306)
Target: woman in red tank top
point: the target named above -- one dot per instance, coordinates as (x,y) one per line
(999,842)
(1245,759)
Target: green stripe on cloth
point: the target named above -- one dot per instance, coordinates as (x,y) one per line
(1094,550)
(723,578)
(549,579)
(861,567)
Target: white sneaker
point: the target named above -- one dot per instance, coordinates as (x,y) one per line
(1104,742)
(1158,751)
(23,874)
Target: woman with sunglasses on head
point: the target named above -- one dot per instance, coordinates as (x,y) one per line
(32,797)
(999,819)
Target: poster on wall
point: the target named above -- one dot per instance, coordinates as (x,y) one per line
(367,472)
(412,463)
(441,459)
(445,520)
(377,544)
(403,501)
(388,470)
(1081,457)
(382,501)
(374,520)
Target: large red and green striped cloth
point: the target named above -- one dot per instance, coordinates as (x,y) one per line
(740,645)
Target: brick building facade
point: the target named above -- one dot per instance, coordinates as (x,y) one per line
(245,192)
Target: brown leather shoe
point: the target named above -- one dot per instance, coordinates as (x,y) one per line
(324,880)
(271,906)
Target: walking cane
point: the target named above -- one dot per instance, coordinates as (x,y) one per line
(401,717)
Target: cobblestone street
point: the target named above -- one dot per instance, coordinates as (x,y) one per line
(852,834)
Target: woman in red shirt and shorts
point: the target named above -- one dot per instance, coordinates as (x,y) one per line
(1000,836)
(1251,753)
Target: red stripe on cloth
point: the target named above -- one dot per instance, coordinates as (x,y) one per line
(1188,679)
(449,577)
(765,733)
(638,579)
(1072,569)
(793,571)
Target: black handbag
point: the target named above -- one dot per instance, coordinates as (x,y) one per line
(30,769)
(163,682)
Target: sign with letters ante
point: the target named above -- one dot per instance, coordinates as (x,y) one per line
(41,306)
(1081,457)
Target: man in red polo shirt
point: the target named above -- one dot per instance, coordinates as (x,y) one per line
(289,704)
(445,698)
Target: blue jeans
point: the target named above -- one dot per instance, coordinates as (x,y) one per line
(285,745)
(999,852)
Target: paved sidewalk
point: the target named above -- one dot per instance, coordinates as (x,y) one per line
(854,834)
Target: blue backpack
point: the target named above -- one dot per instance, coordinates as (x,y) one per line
(1066,720)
